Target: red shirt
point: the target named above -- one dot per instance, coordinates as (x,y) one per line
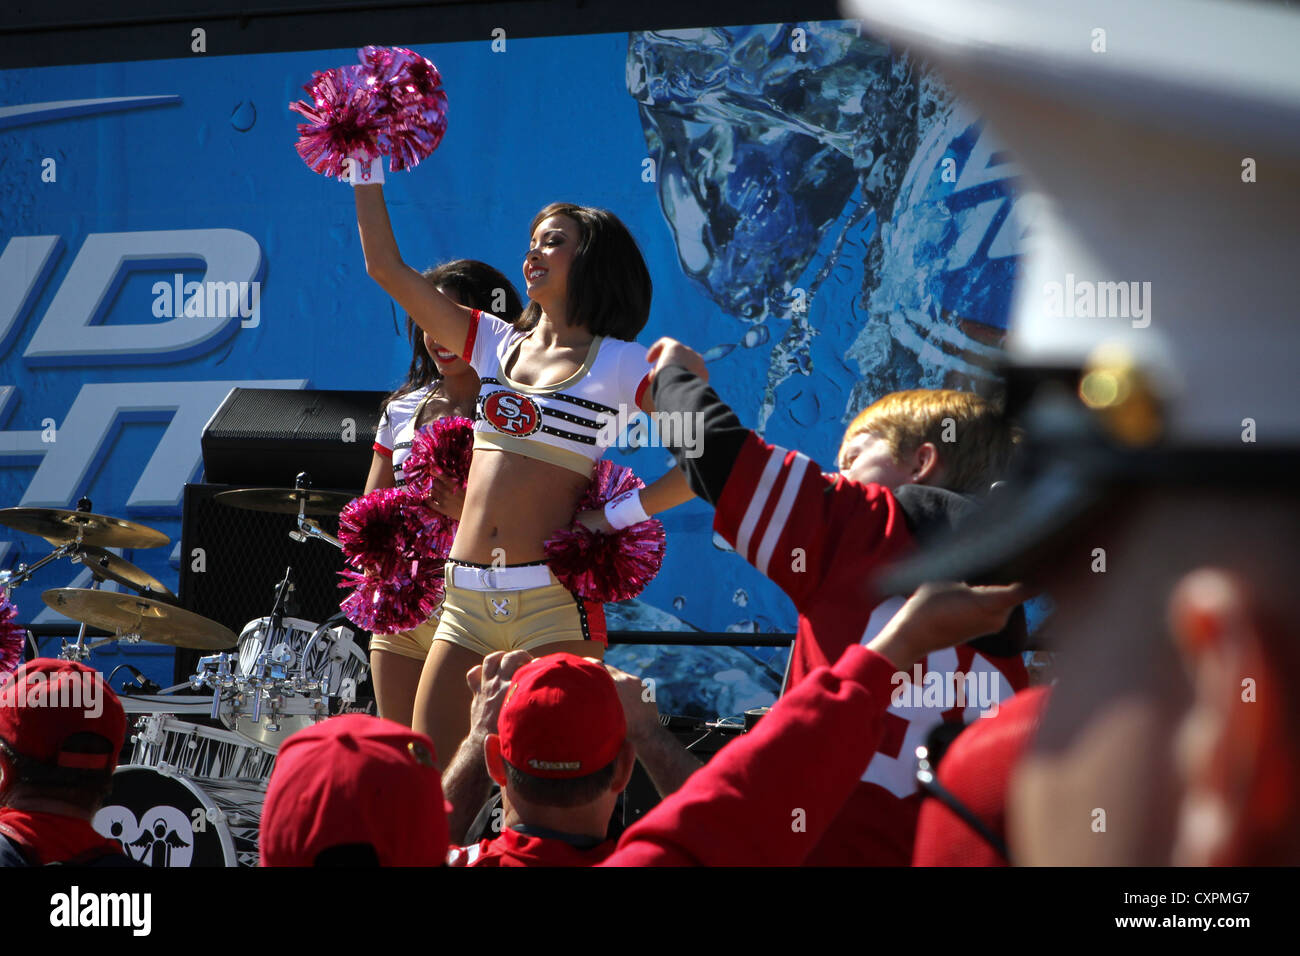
(51,837)
(820,538)
(513,848)
(768,797)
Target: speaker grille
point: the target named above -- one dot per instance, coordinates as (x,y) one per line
(265,436)
(243,557)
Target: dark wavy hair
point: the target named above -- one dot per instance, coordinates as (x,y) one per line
(477,285)
(609,284)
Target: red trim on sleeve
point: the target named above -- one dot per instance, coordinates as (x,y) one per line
(468,354)
(386,452)
(640,389)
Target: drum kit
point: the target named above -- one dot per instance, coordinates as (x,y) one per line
(192,794)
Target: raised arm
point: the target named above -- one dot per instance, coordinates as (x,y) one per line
(443,318)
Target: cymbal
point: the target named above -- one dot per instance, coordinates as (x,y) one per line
(153,620)
(60,526)
(285,500)
(108,565)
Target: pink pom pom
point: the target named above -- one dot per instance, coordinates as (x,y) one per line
(344,120)
(607,567)
(414,104)
(386,606)
(443,449)
(12,638)
(375,531)
(397,548)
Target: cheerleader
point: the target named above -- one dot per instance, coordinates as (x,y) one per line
(438,385)
(552,395)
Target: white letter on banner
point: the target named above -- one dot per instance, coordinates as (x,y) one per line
(68,335)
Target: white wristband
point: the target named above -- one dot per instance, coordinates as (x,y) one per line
(358,172)
(625,510)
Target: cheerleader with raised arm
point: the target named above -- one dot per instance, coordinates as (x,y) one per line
(553,394)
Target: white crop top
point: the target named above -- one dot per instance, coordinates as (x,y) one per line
(397,429)
(570,423)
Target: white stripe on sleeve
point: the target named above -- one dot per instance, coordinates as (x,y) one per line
(784,505)
(758,500)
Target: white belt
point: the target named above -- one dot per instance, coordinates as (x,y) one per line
(500,579)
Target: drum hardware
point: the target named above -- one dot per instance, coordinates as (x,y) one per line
(306,527)
(283,678)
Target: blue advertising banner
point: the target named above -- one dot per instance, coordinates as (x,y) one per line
(821,220)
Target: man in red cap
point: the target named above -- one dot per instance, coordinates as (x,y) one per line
(355,790)
(561,755)
(61,730)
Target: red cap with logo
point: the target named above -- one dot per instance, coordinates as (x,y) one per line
(355,779)
(561,718)
(46,701)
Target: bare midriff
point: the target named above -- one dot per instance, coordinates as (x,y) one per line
(513,503)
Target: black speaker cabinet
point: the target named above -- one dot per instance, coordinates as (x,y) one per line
(263,437)
(232,559)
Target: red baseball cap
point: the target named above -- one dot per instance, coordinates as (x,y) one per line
(561,718)
(46,701)
(355,779)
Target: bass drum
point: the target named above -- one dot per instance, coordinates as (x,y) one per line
(168,820)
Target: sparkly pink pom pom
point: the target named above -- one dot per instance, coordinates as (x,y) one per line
(607,567)
(396,548)
(375,531)
(344,120)
(386,606)
(12,638)
(444,449)
(414,104)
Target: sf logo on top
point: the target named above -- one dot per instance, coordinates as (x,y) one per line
(512,413)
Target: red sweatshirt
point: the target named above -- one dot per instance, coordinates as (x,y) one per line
(768,797)
(53,838)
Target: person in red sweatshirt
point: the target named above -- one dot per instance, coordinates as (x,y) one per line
(61,729)
(910,466)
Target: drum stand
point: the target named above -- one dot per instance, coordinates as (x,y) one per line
(307,528)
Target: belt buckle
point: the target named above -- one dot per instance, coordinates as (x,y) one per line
(484,579)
